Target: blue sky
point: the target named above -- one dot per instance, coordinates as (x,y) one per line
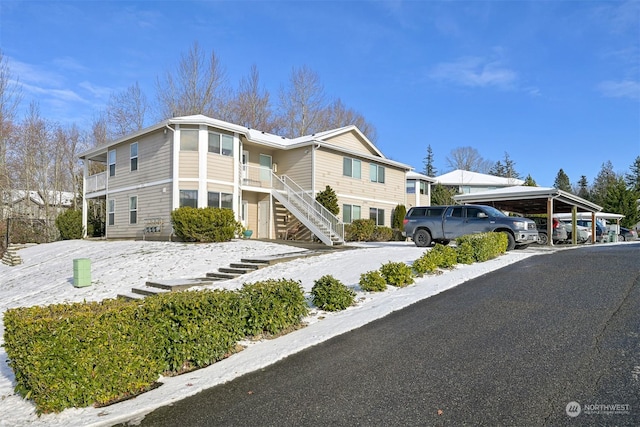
(556,84)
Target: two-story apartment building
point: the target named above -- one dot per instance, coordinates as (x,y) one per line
(269,181)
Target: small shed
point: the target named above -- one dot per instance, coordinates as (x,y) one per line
(534,200)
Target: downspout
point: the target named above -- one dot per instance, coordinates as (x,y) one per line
(85,171)
(174,180)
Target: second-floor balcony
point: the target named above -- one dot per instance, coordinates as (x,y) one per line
(97,182)
(256,176)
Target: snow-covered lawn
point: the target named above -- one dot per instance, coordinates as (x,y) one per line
(46,277)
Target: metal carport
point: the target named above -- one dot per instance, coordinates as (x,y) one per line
(535,200)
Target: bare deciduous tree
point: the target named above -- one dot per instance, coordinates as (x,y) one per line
(302,103)
(10,97)
(197,86)
(252,106)
(468,159)
(126,111)
(337,115)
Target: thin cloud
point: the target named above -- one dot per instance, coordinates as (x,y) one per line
(65,95)
(475,72)
(620,89)
(69,63)
(97,91)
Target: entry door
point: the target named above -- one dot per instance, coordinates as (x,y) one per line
(263,219)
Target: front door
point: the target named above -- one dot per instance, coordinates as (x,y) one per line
(263,219)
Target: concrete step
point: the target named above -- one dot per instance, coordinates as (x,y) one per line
(223,276)
(148,291)
(179,284)
(246,265)
(234,270)
(131,296)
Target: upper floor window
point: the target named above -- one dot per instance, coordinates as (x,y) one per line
(134,156)
(411,187)
(189,140)
(133,210)
(189,198)
(351,167)
(220,200)
(377,215)
(220,144)
(112,163)
(423,187)
(376,173)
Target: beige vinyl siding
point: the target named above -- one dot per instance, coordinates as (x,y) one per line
(219,167)
(329,172)
(365,206)
(352,142)
(153,202)
(154,161)
(188,164)
(296,164)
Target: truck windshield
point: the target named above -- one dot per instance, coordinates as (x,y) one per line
(491,211)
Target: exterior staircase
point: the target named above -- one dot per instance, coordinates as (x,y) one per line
(323,224)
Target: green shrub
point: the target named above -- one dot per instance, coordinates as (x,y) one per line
(273,305)
(485,245)
(397,220)
(397,274)
(360,230)
(381,234)
(329,200)
(372,281)
(331,294)
(428,263)
(448,255)
(72,355)
(69,224)
(465,253)
(204,225)
(195,328)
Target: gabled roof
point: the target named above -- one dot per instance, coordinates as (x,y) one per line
(463,177)
(256,136)
(62,198)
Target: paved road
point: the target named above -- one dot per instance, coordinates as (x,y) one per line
(513,347)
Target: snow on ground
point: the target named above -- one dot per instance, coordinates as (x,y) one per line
(46,277)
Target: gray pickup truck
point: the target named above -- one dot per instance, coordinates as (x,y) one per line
(427,224)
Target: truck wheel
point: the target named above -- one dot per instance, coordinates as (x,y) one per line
(511,241)
(422,238)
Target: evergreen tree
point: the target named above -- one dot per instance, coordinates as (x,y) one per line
(529,181)
(441,195)
(562,181)
(621,200)
(605,179)
(429,169)
(399,213)
(633,177)
(498,169)
(329,200)
(583,188)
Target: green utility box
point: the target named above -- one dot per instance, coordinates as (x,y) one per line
(81,272)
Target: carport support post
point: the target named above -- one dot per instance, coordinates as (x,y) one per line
(550,221)
(574,225)
(593,227)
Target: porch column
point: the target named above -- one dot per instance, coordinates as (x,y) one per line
(550,221)
(85,171)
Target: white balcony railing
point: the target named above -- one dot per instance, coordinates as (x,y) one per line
(96,182)
(256,176)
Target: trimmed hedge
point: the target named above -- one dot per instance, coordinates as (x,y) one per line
(205,224)
(360,230)
(273,306)
(372,281)
(330,294)
(69,224)
(485,246)
(75,355)
(397,274)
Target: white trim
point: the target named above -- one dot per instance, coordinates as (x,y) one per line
(139,186)
(203,150)
(175,191)
(366,199)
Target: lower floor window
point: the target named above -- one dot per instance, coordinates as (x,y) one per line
(189,198)
(111,212)
(133,210)
(350,213)
(219,200)
(377,215)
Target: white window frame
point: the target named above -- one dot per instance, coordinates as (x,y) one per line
(190,198)
(184,147)
(111,212)
(378,214)
(352,162)
(220,194)
(350,209)
(377,173)
(224,146)
(112,162)
(133,209)
(133,159)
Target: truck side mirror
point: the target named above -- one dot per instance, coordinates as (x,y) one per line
(482,215)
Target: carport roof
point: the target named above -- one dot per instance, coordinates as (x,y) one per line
(529,200)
